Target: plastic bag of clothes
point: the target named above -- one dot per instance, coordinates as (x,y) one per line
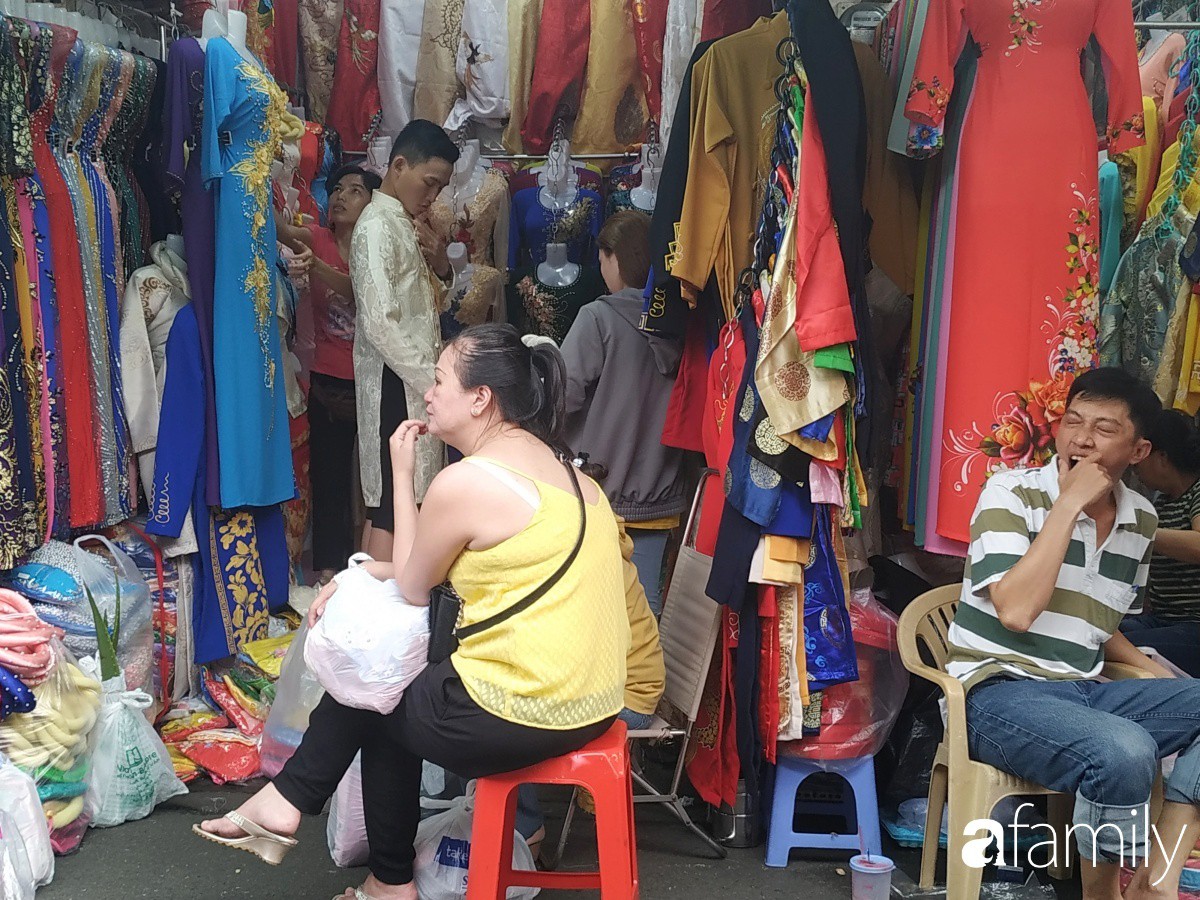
(297,693)
(27,832)
(857,716)
(370,643)
(135,645)
(50,743)
(131,770)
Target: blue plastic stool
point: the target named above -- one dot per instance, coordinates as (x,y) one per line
(861,806)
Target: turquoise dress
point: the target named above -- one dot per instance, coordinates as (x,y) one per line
(243,110)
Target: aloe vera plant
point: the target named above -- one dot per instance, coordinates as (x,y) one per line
(107,638)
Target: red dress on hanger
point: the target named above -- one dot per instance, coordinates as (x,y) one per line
(726,17)
(649,30)
(558,69)
(1023,271)
(83,459)
(354,107)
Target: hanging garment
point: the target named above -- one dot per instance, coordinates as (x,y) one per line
(1029,81)
(666,311)
(481,66)
(153,298)
(474,298)
(1160,71)
(35,226)
(241,567)
(147,162)
(22,522)
(564,36)
(400,23)
(612,112)
(732,92)
(287,44)
(549,310)
(649,31)
(123,145)
(94,216)
(888,193)
(355,76)
(725,17)
(524,17)
(437,85)
(183,124)
(243,111)
(320,28)
(482,223)
(532,226)
(51,131)
(679,40)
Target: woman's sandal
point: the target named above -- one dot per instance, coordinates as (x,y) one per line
(358,895)
(269,847)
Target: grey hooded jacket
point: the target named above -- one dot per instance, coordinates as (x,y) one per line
(619,382)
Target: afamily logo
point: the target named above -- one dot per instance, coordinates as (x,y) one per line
(1127,845)
(454,853)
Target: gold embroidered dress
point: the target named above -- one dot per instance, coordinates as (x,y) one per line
(243,123)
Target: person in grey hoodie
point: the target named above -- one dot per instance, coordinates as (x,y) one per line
(619,381)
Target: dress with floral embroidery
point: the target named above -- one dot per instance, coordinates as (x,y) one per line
(243,111)
(241,567)
(1023,256)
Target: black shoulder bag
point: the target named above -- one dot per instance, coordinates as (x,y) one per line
(445,606)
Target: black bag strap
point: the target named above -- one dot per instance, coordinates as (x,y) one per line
(521,605)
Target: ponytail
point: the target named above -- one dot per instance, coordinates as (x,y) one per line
(549,385)
(527,380)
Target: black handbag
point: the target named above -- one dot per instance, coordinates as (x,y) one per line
(445,606)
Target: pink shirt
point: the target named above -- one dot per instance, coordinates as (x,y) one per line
(333,314)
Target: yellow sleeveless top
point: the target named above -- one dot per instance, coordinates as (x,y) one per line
(560,664)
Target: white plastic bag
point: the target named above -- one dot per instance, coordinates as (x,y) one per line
(27,832)
(297,694)
(135,645)
(369,644)
(346,830)
(16,879)
(131,769)
(443,848)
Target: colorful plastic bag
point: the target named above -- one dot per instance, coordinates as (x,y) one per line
(369,644)
(131,770)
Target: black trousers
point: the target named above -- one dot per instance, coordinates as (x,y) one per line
(436,720)
(393,409)
(333,429)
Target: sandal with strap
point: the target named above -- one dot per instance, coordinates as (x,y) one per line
(271,848)
(358,895)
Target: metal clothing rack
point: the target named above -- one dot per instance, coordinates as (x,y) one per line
(521,157)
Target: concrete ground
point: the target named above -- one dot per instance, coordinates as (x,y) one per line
(159,857)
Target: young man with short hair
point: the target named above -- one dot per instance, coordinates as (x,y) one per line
(1058,556)
(397,265)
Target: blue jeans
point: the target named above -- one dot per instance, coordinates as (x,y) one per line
(529,810)
(1098,741)
(649,546)
(1177,641)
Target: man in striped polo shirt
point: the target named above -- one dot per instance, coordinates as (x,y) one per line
(1058,556)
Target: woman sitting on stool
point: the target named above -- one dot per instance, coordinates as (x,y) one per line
(541,684)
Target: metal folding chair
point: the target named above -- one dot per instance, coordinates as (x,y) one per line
(687,632)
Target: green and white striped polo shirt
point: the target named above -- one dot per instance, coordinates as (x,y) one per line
(1096,587)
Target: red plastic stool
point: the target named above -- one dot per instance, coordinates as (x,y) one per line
(603,768)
